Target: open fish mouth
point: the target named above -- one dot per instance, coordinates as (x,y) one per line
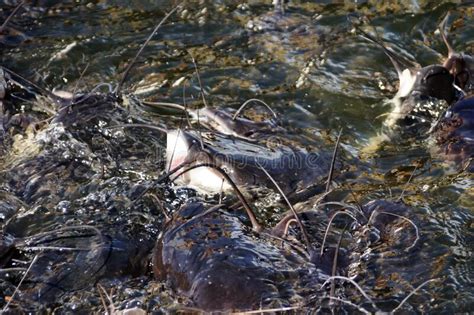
(240,159)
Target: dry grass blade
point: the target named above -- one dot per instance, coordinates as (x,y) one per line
(134,60)
(5,308)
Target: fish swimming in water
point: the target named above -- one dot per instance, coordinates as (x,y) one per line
(226,120)
(237,145)
(454,134)
(67,197)
(209,256)
(241,159)
(460,65)
(419,89)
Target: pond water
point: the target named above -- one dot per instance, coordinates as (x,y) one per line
(308,64)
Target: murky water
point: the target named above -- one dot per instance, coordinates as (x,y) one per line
(308,65)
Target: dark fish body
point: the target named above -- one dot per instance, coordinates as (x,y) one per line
(294,168)
(208,256)
(63,177)
(454,133)
(220,265)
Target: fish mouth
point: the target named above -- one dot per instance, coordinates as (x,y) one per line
(177,149)
(184,150)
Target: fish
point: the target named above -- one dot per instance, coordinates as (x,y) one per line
(460,65)
(453,134)
(214,262)
(241,160)
(420,89)
(210,256)
(57,257)
(226,120)
(237,145)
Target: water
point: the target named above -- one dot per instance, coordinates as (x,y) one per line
(308,65)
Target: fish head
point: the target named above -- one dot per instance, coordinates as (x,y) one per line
(461,66)
(435,81)
(218,119)
(223,121)
(184,148)
(422,96)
